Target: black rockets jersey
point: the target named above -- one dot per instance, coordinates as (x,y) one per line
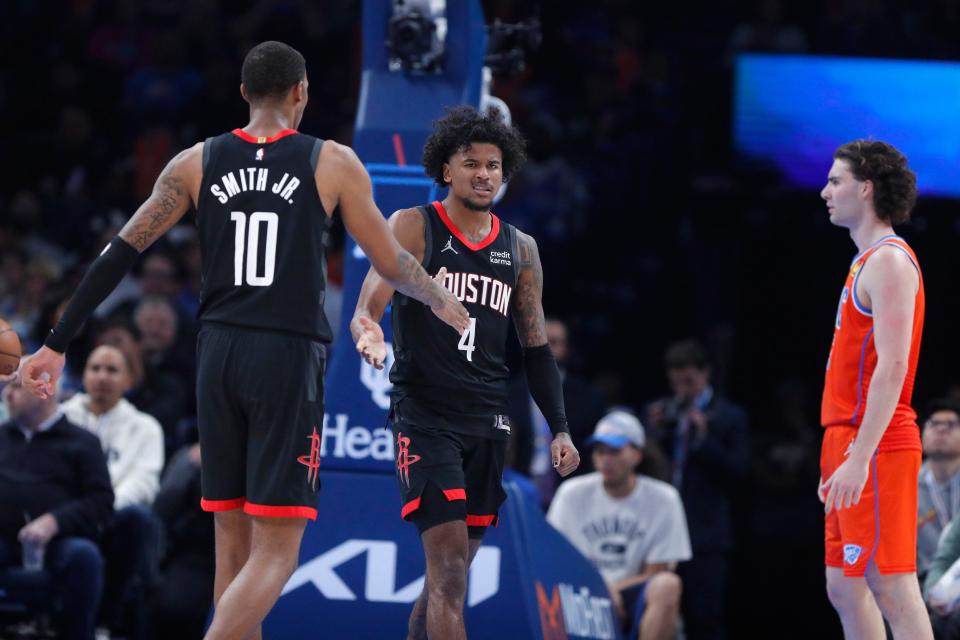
(461,375)
(263,230)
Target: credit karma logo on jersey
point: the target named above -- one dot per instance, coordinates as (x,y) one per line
(380,578)
(357,442)
(568,610)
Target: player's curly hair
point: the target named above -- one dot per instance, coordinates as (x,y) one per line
(463,126)
(894,184)
(271,69)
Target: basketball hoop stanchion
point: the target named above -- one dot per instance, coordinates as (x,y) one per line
(394,116)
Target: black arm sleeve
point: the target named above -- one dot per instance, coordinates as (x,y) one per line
(543,377)
(101,278)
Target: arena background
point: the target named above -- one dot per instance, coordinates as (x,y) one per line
(651,226)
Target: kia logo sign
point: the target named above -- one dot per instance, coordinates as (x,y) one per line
(381,574)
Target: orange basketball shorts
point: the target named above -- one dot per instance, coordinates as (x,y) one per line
(882,527)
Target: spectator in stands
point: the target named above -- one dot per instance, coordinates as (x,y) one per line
(160,394)
(182,601)
(161,275)
(705,438)
(131,439)
(940,586)
(939,491)
(157,320)
(631,527)
(53,474)
(133,444)
(531,434)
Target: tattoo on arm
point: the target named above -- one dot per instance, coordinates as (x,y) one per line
(527,299)
(167,204)
(414,281)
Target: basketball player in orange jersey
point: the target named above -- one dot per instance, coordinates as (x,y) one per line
(264,196)
(870,459)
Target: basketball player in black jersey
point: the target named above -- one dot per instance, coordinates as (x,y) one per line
(264,195)
(448,402)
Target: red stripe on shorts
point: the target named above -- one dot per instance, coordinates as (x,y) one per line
(279,512)
(222,505)
(410,507)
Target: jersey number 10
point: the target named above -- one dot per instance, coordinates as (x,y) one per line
(251,240)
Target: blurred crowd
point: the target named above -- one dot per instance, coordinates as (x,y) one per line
(626,107)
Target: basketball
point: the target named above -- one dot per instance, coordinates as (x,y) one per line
(9,349)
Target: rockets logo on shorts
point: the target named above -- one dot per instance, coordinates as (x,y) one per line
(312,461)
(405,458)
(851,553)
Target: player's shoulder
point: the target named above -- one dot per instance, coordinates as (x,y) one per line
(339,169)
(410,215)
(408,226)
(191,154)
(892,253)
(334,155)
(890,260)
(523,236)
(527,252)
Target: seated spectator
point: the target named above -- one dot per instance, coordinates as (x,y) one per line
(160,394)
(181,603)
(131,439)
(159,327)
(939,491)
(941,586)
(631,527)
(161,276)
(54,476)
(133,444)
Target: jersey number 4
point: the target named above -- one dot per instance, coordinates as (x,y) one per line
(251,241)
(466,340)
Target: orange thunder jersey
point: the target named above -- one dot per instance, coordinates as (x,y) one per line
(853,358)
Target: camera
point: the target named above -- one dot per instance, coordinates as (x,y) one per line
(416,36)
(509,45)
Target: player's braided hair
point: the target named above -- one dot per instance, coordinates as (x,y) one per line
(894,184)
(271,69)
(463,126)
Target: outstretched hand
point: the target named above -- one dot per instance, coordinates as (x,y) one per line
(40,372)
(451,311)
(371,345)
(565,456)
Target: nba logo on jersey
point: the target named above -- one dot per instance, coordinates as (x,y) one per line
(259,155)
(851,553)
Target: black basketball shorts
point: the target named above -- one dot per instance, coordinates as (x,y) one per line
(260,415)
(445,475)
